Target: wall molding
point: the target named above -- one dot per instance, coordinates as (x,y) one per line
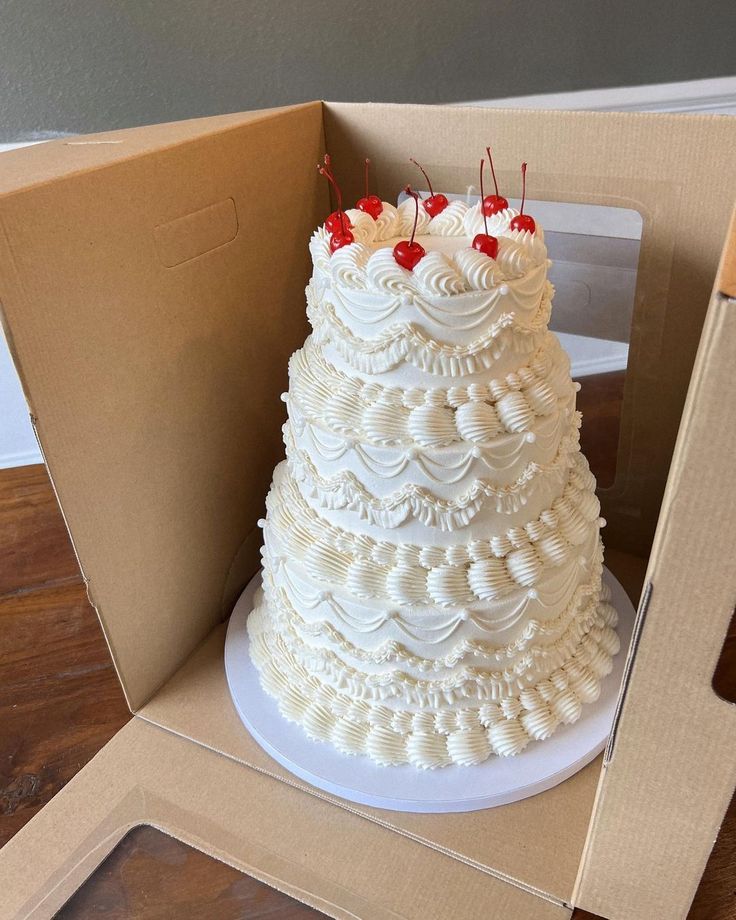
(715,96)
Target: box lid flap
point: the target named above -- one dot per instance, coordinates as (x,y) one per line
(327,858)
(152,289)
(670,769)
(535,843)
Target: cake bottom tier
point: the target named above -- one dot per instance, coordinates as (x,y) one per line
(430,737)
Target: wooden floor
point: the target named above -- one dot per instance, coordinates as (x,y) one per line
(60,702)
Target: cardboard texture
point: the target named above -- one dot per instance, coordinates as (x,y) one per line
(550,838)
(126,305)
(145,775)
(655,789)
(151,284)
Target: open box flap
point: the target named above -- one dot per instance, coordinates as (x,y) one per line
(671,770)
(535,844)
(275,833)
(59,159)
(152,301)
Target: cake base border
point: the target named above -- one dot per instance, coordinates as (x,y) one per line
(496,781)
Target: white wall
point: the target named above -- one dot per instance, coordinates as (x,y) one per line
(718,96)
(18,445)
(17,441)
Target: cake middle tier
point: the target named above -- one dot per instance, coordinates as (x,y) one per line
(442,488)
(475,410)
(505,467)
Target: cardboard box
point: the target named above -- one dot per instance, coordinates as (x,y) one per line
(152,289)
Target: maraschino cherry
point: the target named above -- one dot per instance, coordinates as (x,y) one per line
(407,253)
(335,222)
(484,242)
(435,204)
(371,204)
(523,221)
(492,204)
(341,235)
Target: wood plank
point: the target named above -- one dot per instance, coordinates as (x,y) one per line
(34,545)
(60,699)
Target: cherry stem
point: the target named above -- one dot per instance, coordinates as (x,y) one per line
(482,196)
(493,171)
(326,172)
(367,164)
(412,160)
(410,191)
(523,187)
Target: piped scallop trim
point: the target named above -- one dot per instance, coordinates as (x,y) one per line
(465,684)
(443,299)
(381,619)
(427,738)
(538,640)
(430,462)
(409,574)
(499,672)
(391,416)
(345,491)
(408,343)
(549,364)
(549,533)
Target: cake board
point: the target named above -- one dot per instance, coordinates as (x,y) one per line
(496,781)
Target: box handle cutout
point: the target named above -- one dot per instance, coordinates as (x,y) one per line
(196,233)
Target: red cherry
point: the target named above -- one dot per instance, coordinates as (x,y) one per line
(408,254)
(435,204)
(340,239)
(341,235)
(492,204)
(334,223)
(372,205)
(486,244)
(523,221)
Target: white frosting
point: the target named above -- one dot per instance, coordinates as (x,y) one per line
(432,562)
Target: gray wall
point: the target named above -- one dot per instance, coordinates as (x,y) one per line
(89,65)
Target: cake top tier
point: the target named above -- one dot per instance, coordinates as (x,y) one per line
(450,267)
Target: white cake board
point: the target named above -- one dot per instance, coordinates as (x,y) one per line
(497,781)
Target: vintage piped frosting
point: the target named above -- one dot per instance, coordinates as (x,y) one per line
(432,559)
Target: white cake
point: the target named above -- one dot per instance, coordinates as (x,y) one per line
(432,558)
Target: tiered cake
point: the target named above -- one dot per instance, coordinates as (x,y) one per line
(432,559)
